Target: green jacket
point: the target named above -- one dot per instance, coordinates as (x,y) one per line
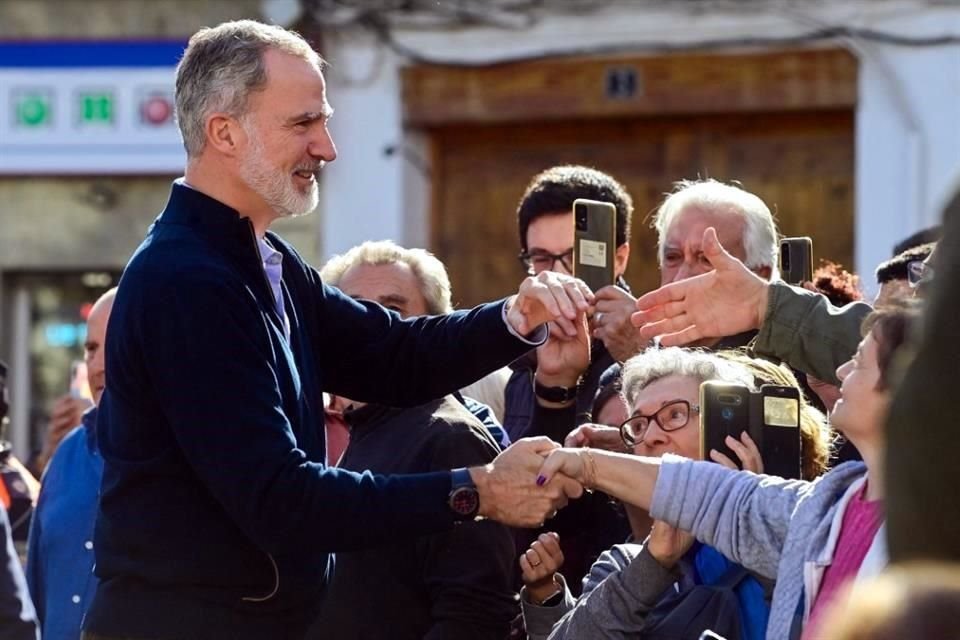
(804,330)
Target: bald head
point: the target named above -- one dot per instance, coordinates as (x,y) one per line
(96,338)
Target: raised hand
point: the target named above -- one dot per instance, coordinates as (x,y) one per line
(597,436)
(539,566)
(508,487)
(745,448)
(549,297)
(668,544)
(66,414)
(612,323)
(729,300)
(562,359)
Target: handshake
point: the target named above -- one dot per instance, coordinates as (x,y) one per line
(513,491)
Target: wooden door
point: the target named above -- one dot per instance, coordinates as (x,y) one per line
(799,162)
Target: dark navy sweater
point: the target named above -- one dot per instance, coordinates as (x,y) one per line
(217,516)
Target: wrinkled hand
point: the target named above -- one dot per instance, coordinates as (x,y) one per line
(667,544)
(66,414)
(730,299)
(508,488)
(612,323)
(548,297)
(597,436)
(562,359)
(745,448)
(539,566)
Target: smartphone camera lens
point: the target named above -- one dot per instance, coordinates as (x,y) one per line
(726,413)
(580,213)
(785,257)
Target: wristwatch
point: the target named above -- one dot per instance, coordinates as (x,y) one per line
(464,500)
(554,394)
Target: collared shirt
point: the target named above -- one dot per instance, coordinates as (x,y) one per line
(273,267)
(60,550)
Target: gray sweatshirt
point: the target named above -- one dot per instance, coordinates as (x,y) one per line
(781,529)
(622,587)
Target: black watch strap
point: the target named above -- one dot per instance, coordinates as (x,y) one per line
(554,394)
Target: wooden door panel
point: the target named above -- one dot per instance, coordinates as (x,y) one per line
(801,164)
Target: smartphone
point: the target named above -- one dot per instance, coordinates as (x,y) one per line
(594,245)
(780,445)
(796,260)
(724,411)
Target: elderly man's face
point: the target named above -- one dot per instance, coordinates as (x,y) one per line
(287,141)
(395,286)
(93,346)
(682,255)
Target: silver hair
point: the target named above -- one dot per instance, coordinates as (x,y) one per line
(429,271)
(653,364)
(760,236)
(222,66)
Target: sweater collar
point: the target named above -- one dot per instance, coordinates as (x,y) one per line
(217,221)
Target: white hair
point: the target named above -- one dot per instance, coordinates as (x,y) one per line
(760,235)
(222,66)
(654,364)
(429,271)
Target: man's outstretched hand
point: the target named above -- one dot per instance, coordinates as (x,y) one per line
(549,297)
(729,300)
(508,486)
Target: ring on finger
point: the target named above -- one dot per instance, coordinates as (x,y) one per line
(598,317)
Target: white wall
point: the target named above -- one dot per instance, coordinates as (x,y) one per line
(907,130)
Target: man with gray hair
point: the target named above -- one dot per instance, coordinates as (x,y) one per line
(744,226)
(217,515)
(452,584)
(412,282)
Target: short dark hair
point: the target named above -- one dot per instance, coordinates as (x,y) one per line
(896,268)
(554,190)
(924,236)
(891,326)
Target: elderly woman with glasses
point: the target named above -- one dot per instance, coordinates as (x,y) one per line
(661,388)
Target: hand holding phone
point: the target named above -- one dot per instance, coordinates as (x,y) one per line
(594,244)
(740,426)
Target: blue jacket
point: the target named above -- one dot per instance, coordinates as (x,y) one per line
(217,516)
(60,552)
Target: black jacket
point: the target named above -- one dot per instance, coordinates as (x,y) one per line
(454,584)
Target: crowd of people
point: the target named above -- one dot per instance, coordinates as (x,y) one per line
(276,451)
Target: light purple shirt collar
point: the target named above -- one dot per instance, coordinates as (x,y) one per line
(272,261)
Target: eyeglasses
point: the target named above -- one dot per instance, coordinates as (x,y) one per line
(671,417)
(538,260)
(919,272)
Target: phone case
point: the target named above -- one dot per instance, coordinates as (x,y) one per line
(594,242)
(796,260)
(780,443)
(724,410)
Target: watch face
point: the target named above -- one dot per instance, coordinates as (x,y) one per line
(465,501)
